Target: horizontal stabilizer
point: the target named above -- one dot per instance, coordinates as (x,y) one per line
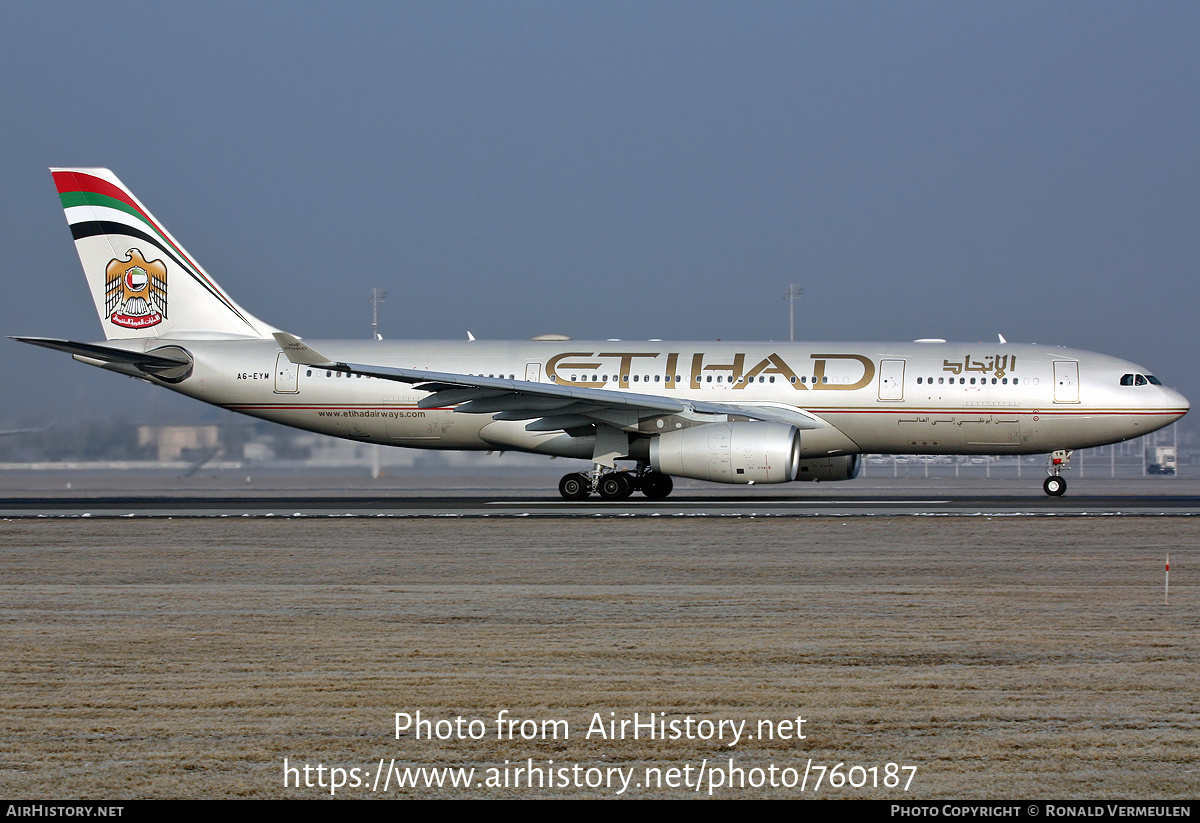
(148,362)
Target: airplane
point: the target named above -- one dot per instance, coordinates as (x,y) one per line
(737,413)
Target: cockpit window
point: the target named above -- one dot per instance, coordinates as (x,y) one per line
(1140,380)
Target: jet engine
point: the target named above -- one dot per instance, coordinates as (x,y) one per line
(843,467)
(742,452)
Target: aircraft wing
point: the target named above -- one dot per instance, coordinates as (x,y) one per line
(548,406)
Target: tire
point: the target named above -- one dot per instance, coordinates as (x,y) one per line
(656,485)
(1055,486)
(574,487)
(615,486)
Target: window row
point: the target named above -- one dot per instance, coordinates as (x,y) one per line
(962,381)
(708,378)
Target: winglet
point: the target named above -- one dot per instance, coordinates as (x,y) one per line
(299,352)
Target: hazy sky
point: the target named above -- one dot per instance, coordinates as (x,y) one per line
(627,170)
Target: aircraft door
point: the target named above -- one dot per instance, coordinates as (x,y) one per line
(891,379)
(1066,381)
(287,375)
(533,372)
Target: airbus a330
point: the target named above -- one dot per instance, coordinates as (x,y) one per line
(739,413)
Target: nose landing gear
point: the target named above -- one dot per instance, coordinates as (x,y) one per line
(1056,485)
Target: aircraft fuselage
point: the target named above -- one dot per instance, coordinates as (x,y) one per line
(914,398)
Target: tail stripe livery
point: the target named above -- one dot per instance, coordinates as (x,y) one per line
(77,189)
(102,208)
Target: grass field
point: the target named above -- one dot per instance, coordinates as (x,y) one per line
(1003,658)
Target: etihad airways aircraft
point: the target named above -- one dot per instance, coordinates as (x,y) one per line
(741,413)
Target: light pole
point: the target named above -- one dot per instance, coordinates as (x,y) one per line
(377,297)
(792,294)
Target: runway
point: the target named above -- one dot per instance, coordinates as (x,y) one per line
(475,505)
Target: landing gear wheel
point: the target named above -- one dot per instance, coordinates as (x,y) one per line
(615,486)
(574,486)
(1055,486)
(656,485)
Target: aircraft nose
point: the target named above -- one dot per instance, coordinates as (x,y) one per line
(1177,401)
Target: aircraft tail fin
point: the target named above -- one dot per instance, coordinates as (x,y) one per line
(143,282)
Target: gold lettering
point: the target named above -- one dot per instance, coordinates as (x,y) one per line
(773,364)
(697,367)
(819,372)
(1001,365)
(555,362)
(996,364)
(737,366)
(626,360)
(672,364)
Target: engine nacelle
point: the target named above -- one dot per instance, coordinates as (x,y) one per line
(844,467)
(744,452)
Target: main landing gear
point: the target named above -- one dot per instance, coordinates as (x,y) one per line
(1056,485)
(615,485)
